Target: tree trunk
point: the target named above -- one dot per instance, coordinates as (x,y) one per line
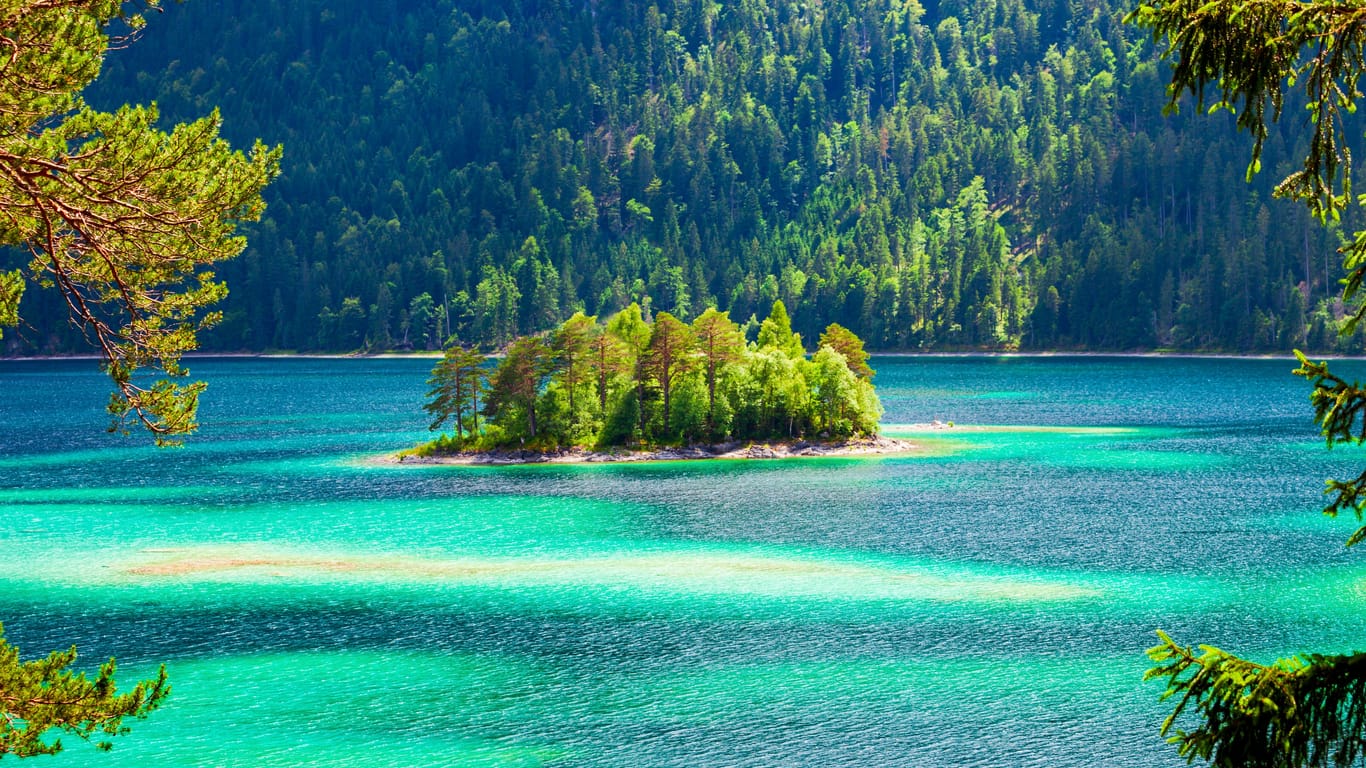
(664,381)
(711,398)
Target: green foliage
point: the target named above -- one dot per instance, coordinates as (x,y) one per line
(1340,410)
(607,359)
(1251,51)
(123,219)
(660,382)
(11,290)
(1309,710)
(1305,711)
(516,388)
(929,176)
(621,427)
(443,444)
(720,343)
(688,422)
(844,402)
(848,345)
(630,328)
(421,312)
(667,357)
(769,393)
(1247,49)
(572,345)
(456,383)
(775,332)
(41,696)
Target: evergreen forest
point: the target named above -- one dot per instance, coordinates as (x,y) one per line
(983,174)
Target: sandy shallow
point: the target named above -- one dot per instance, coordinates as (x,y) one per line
(688,572)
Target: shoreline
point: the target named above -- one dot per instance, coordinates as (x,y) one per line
(875,446)
(434,355)
(1287,356)
(248,356)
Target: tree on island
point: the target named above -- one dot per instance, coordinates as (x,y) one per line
(664,383)
(839,396)
(1308,710)
(668,355)
(633,331)
(607,360)
(572,345)
(720,342)
(843,341)
(125,221)
(515,390)
(456,382)
(776,332)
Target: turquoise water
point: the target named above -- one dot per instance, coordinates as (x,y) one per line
(984,602)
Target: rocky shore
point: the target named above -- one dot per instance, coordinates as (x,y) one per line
(731,450)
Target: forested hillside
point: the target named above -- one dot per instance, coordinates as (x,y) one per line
(967,174)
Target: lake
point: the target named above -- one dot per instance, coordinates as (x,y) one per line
(984,602)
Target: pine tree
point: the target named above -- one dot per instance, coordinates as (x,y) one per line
(123,219)
(607,358)
(572,343)
(668,356)
(1309,710)
(456,383)
(633,332)
(720,343)
(843,341)
(776,332)
(517,382)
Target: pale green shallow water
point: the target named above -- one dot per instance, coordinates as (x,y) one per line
(985,602)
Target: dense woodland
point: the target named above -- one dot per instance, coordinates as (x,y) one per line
(637,381)
(992,174)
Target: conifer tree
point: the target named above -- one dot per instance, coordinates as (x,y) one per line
(517,382)
(720,343)
(633,332)
(1308,710)
(843,341)
(571,344)
(606,359)
(668,355)
(123,219)
(456,383)
(776,332)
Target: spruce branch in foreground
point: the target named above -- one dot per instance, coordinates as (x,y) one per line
(1308,710)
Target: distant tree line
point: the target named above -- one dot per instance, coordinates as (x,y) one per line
(992,174)
(635,381)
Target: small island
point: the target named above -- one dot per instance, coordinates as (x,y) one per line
(639,388)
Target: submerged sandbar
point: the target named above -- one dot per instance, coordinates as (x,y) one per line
(702,572)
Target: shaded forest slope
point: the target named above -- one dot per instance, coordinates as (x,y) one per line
(985,174)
